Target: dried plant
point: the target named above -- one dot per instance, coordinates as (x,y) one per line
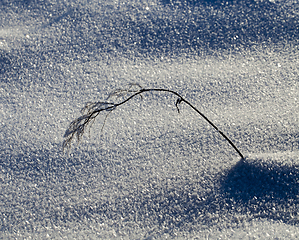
(92,109)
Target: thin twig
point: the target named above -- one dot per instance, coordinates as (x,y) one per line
(92,110)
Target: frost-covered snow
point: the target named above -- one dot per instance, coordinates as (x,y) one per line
(151,173)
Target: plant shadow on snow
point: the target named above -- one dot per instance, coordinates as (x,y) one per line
(248,181)
(263,190)
(246,191)
(243,195)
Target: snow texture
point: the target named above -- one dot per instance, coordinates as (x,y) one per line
(151,173)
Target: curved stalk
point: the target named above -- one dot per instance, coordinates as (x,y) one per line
(77,127)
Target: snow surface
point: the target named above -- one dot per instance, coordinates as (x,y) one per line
(151,173)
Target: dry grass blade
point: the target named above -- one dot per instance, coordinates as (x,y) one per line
(77,127)
(92,109)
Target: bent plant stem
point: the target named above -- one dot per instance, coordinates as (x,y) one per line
(181,99)
(77,129)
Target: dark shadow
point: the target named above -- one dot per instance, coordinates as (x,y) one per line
(35,164)
(249,190)
(23,3)
(195,3)
(227,25)
(256,181)
(6,62)
(216,25)
(263,189)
